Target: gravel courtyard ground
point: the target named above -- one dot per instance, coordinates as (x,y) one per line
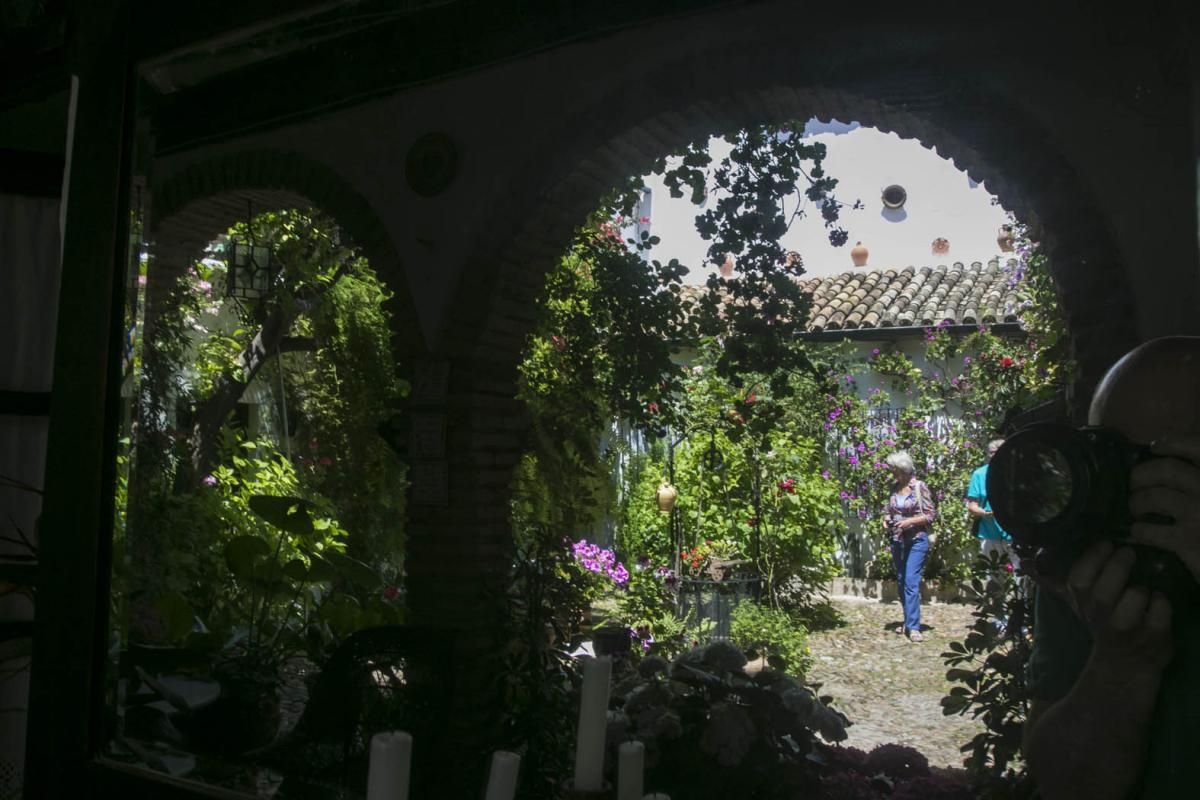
(889,687)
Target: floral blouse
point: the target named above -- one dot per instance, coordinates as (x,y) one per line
(919,501)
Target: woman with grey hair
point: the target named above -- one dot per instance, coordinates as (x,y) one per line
(908,517)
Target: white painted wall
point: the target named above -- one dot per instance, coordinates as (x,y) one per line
(942,202)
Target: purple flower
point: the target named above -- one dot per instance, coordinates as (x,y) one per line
(875,352)
(966,359)
(853,459)
(209,480)
(825,474)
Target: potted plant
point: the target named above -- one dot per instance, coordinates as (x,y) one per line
(288,599)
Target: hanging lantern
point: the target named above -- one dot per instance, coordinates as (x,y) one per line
(250,272)
(666,497)
(713,461)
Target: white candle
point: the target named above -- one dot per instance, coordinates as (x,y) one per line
(502,782)
(593,724)
(630,765)
(391,760)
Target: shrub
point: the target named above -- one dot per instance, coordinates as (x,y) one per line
(760,629)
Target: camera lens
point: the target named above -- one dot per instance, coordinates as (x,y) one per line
(1038,481)
(1040,475)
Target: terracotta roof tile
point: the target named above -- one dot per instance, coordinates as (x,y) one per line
(884,298)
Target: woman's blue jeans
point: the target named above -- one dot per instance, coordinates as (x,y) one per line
(908,556)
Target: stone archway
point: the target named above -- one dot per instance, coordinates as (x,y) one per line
(192,206)
(580,159)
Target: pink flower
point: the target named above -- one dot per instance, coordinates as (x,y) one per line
(141,280)
(643,220)
(205,286)
(209,480)
(391,593)
(652,408)
(1008,567)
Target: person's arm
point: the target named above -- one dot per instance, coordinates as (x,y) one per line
(976,509)
(976,492)
(1093,741)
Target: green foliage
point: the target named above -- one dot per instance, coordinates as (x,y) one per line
(747,471)
(711,730)
(989,668)
(760,630)
(195,511)
(344,391)
(770,179)
(538,624)
(643,530)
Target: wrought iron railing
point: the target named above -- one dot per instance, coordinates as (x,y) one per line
(714,601)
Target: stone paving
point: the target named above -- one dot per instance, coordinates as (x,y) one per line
(889,687)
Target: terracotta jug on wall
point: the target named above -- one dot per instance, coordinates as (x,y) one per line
(1004,238)
(726,269)
(858,254)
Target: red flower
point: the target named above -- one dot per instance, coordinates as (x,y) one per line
(750,398)
(1006,362)
(391,593)
(653,408)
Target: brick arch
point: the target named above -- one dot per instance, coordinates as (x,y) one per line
(198,202)
(939,104)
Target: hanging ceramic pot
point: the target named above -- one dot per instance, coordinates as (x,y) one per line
(666,496)
(941,246)
(894,196)
(1005,238)
(858,254)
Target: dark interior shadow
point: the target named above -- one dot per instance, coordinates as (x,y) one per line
(894,214)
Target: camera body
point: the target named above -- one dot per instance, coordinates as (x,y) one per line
(1057,490)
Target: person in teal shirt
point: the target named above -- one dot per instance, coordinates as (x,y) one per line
(991,536)
(1113,676)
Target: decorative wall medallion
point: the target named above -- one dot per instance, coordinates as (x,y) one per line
(432,164)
